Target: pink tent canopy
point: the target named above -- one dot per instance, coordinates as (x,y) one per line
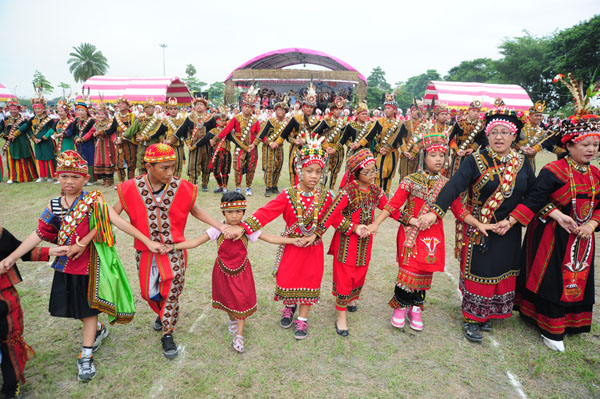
(5,94)
(282,58)
(460,94)
(137,90)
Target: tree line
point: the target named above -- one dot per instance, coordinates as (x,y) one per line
(528,61)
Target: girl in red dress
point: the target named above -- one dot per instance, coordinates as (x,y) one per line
(233,288)
(307,211)
(352,251)
(420,246)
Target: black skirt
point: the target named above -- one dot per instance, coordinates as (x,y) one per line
(68,297)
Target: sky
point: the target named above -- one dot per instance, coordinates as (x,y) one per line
(404,38)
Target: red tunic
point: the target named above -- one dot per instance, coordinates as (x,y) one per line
(346,247)
(298,270)
(233,287)
(421,251)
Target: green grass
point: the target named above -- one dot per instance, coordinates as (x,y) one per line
(375,361)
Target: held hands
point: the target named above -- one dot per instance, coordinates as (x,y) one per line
(362,231)
(383,151)
(427,220)
(408,155)
(461,153)
(298,142)
(485,227)
(415,222)
(232,232)
(6,264)
(468,151)
(499,228)
(373,228)
(58,251)
(273,145)
(251,147)
(565,221)
(354,146)
(330,150)
(585,231)
(75,251)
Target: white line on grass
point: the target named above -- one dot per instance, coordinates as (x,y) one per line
(514,381)
(198,320)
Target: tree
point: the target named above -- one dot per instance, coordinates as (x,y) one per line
(481,70)
(64,86)
(415,87)
(526,62)
(377,86)
(216,92)
(86,61)
(576,50)
(40,82)
(193,84)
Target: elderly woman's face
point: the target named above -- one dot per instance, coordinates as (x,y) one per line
(501,138)
(585,150)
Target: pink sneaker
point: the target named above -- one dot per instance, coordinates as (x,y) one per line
(399,317)
(414,316)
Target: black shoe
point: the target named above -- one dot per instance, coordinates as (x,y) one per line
(274,190)
(157,324)
(218,190)
(287,317)
(343,333)
(205,189)
(486,326)
(352,308)
(13,393)
(169,348)
(268,192)
(472,332)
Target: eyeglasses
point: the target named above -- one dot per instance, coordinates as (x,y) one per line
(502,133)
(369,172)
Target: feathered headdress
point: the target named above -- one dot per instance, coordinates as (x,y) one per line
(583,123)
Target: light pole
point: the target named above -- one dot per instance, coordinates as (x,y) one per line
(163,45)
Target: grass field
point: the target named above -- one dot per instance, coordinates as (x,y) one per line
(375,361)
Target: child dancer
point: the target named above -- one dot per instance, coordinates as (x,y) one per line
(307,211)
(220,162)
(352,251)
(420,246)
(90,279)
(233,288)
(14,351)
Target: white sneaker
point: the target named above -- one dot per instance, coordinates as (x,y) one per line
(248,191)
(57,182)
(558,346)
(9,182)
(86,370)
(39,180)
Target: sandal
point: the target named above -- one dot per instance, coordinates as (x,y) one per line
(232,327)
(238,343)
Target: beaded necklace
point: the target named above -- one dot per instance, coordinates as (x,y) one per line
(362,134)
(41,124)
(390,131)
(150,126)
(334,132)
(300,210)
(573,190)
(245,131)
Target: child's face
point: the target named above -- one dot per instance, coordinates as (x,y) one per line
(72,183)
(311,175)
(367,174)
(234,217)
(434,161)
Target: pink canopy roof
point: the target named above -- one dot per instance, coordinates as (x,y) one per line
(460,94)
(137,89)
(282,58)
(5,94)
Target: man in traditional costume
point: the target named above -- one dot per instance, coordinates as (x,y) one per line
(386,137)
(408,150)
(145,131)
(466,135)
(220,162)
(244,130)
(272,153)
(63,128)
(360,130)
(19,156)
(158,204)
(194,129)
(173,120)
(333,128)
(300,126)
(39,129)
(126,147)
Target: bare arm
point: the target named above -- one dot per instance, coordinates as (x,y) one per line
(273,239)
(118,208)
(128,228)
(204,217)
(204,238)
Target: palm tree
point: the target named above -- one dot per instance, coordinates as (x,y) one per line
(86,62)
